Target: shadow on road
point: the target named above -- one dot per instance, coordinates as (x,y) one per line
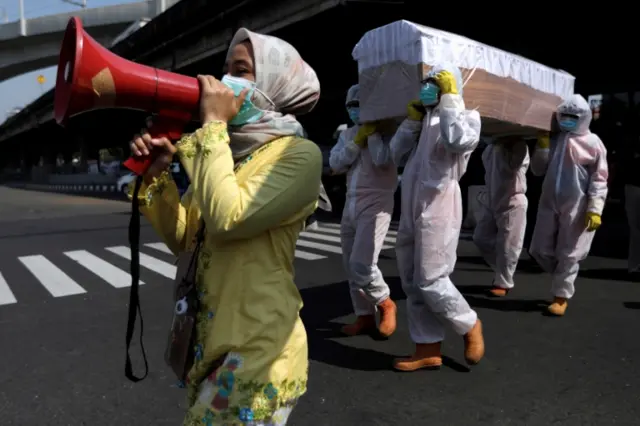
(318,317)
(609,274)
(528,266)
(478,297)
(632,305)
(474,260)
(507,305)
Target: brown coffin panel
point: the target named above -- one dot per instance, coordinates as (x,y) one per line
(507,100)
(506,106)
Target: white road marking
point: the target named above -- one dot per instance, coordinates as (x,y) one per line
(308,256)
(6,295)
(330,227)
(318,236)
(161,247)
(149,262)
(319,246)
(114,276)
(50,276)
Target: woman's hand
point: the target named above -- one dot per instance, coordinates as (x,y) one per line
(161,148)
(217,101)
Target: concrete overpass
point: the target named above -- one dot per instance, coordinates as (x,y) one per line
(32,44)
(192,36)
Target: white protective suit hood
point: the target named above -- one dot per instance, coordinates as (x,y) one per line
(353,94)
(576,105)
(448,66)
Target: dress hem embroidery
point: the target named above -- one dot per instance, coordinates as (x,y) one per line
(223,396)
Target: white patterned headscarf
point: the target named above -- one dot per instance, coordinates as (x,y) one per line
(289,82)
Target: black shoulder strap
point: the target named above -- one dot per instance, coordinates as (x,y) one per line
(134,296)
(193,263)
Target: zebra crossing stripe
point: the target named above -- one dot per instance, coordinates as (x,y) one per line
(313,235)
(6,295)
(328,226)
(160,246)
(319,246)
(308,256)
(387,239)
(112,275)
(333,239)
(149,262)
(50,276)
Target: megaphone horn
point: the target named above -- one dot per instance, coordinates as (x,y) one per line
(91,77)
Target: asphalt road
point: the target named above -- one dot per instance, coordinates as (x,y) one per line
(61,358)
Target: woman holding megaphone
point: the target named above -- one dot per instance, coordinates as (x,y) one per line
(237,338)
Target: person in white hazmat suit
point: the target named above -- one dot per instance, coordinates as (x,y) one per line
(431,216)
(573,196)
(499,234)
(371,183)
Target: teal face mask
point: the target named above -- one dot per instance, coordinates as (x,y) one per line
(568,124)
(429,94)
(354,114)
(248,113)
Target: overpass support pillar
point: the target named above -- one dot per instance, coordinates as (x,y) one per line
(49,160)
(30,159)
(67,157)
(83,162)
(46,166)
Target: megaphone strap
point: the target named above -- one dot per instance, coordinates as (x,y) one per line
(134,296)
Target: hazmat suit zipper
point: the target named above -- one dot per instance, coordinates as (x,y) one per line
(559,167)
(426,120)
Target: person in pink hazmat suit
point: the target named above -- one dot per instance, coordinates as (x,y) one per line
(440,135)
(371,182)
(573,196)
(500,231)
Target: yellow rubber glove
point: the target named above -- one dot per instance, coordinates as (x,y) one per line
(593,221)
(415,110)
(365,130)
(447,83)
(543,140)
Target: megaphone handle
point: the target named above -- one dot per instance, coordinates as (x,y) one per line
(170,129)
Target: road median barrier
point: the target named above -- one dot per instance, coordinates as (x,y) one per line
(94,190)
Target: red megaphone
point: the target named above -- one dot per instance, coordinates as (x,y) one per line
(91,77)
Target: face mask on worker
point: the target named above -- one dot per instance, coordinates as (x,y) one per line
(429,94)
(568,124)
(248,113)
(354,114)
